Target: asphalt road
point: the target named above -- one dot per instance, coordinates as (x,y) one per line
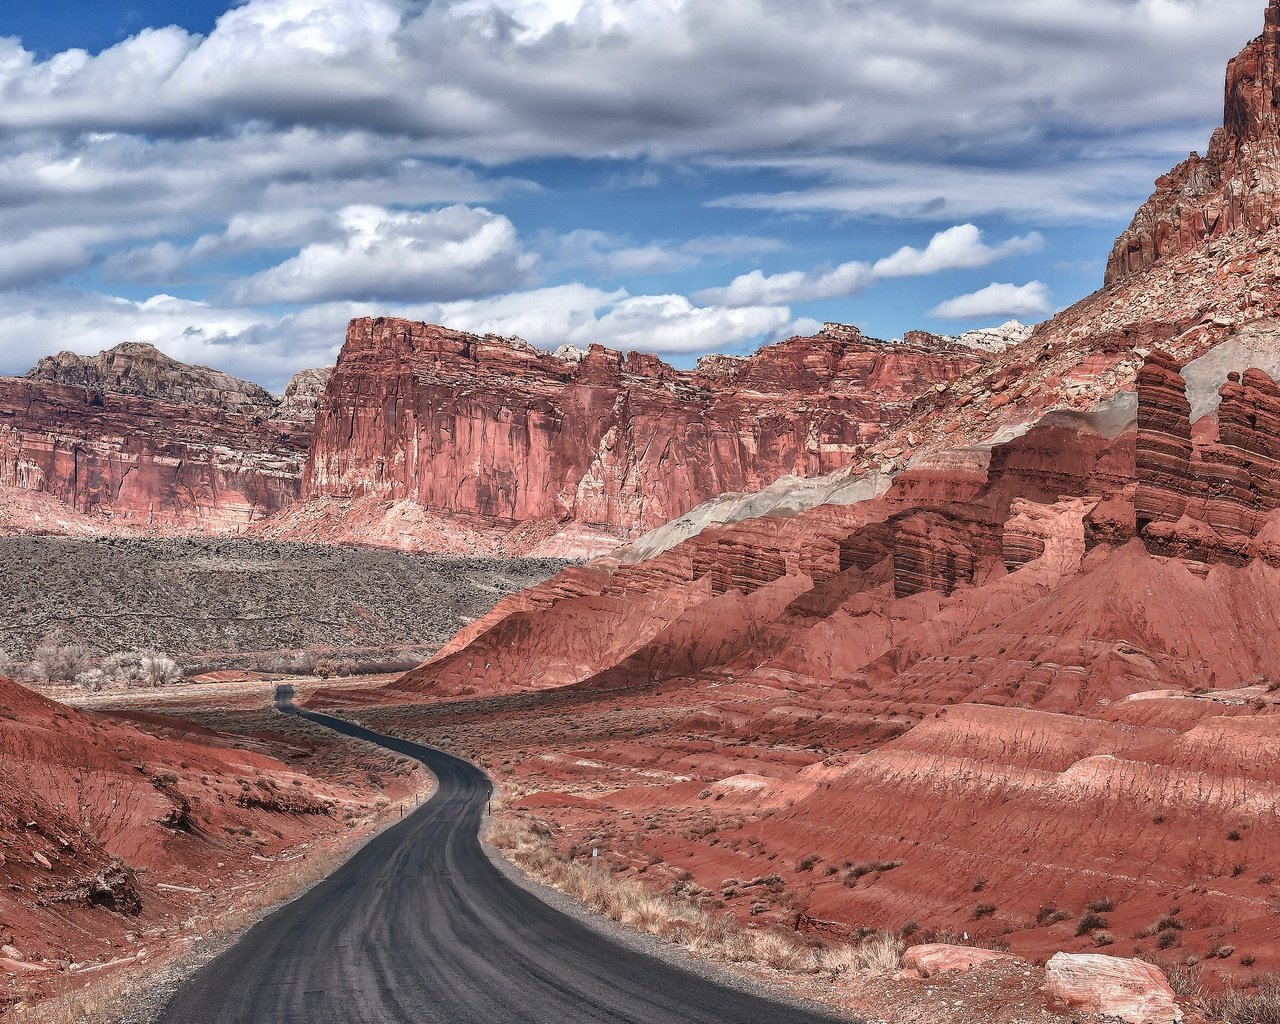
(420,927)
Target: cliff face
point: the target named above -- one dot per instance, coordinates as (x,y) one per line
(499,431)
(1236,186)
(141,443)
(1208,494)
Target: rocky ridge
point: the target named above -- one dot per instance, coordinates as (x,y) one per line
(495,435)
(1235,187)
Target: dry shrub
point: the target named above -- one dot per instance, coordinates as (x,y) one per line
(98,1001)
(1259,1004)
(882,953)
(527,842)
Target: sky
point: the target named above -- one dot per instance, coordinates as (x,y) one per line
(234,181)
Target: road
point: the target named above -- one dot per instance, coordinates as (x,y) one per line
(420,927)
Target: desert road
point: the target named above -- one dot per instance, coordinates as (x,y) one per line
(420,927)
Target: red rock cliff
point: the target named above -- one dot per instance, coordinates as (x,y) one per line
(142,443)
(1236,186)
(487,427)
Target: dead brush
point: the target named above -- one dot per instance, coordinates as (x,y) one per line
(528,843)
(1259,1004)
(97,1002)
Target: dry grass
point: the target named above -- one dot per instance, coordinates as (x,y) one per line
(1257,1005)
(528,844)
(98,1002)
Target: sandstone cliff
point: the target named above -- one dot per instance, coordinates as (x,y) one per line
(1236,186)
(502,434)
(131,440)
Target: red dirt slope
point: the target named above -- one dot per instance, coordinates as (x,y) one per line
(113,835)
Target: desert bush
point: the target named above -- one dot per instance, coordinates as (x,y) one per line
(1102,905)
(1090,922)
(61,663)
(983,910)
(1049,914)
(1259,1004)
(1103,938)
(881,953)
(141,668)
(91,680)
(1183,978)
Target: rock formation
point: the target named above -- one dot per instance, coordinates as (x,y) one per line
(1235,187)
(500,433)
(1206,494)
(138,442)
(143,371)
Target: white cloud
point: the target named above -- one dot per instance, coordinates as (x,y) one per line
(443,254)
(671,323)
(997,300)
(960,247)
(757,288)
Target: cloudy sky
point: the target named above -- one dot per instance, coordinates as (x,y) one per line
(234,181)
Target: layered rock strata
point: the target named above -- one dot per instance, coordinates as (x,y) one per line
(138,442)
(1235,187)
(496,430)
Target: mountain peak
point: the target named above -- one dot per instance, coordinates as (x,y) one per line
(1235,187)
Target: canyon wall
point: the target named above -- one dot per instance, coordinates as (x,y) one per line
(1235,186)
(503,433)
(133,441)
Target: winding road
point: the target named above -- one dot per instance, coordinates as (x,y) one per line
(419,926)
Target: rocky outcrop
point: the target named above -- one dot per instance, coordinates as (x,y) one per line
(503,433)
(1235,187)
(1127,990)
(138,442)
(935,958)
(143,371)
(1163,443)
(302,396)
(1206,495)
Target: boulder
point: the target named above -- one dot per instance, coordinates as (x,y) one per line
(1128,990)
(933,958)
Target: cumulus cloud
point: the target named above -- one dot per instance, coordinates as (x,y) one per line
(960,247)
(442,254)
(270,347)
(792,286)
(996,300)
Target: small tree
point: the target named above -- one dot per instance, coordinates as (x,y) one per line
(61,663)
(142,668)
(160,670)
(91,680)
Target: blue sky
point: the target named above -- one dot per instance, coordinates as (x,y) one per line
(234,182)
